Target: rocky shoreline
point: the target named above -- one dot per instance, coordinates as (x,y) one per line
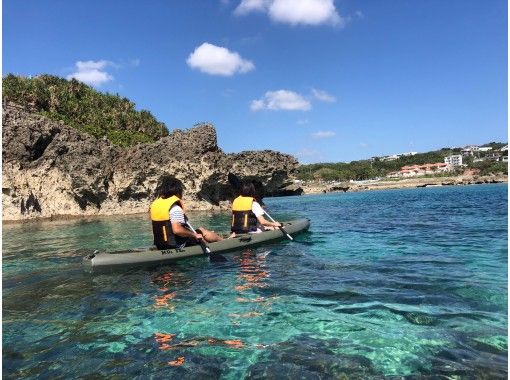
(322,187)
(50,170)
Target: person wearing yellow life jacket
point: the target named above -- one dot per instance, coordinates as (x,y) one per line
(247,214)
(169,221)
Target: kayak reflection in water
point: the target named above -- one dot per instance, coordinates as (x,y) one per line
(247,213)
(170,225)
(253,271)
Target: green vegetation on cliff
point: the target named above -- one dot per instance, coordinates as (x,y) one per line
(368,169)
(82,107)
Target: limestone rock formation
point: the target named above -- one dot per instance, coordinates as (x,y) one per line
(50,169)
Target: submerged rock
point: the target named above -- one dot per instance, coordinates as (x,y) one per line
(310,358)
(50,169)
(467,363)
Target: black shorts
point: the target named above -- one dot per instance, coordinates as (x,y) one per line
(191,242)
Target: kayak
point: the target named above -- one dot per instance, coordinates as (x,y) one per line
(152,257)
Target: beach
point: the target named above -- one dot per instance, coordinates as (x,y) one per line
(318,187)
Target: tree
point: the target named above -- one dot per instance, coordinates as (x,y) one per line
(326,174)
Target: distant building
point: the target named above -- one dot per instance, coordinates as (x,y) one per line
(394,157)
(420,170)
(454,160)
(389,158)
(493,157)
(484,148)
(505,148)
(469,150)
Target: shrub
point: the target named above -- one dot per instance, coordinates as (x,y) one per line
(82,107)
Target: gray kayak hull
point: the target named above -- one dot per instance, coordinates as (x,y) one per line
(108,261)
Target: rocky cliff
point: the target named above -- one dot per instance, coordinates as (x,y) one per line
(50,169)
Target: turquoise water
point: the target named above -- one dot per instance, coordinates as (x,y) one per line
(403,283)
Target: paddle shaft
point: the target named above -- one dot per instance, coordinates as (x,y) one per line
(281,227)
(201,241)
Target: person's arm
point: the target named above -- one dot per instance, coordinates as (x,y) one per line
(180,230)
(259,213)
(178,219)
(267,223)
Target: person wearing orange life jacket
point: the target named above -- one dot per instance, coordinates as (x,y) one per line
(169,221)
(247,214)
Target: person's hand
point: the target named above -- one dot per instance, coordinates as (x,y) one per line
(199,237)
(278,224)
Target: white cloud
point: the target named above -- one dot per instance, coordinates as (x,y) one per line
(305,152)
(216,60)
(305,155)
(281,100)
(323,134)
(247,6)
(92,72)
(294,12)
(323,96)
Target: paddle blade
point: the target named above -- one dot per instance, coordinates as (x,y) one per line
(285,233)
(217,258)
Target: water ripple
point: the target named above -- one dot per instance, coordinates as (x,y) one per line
(389,284)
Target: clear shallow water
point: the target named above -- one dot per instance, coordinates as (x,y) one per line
(388,283)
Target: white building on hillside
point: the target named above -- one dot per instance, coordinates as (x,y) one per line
(454,160)
(407,154)
(469,150)
(393,157)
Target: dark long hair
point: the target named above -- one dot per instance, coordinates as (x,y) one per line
(169,186)
(247,189)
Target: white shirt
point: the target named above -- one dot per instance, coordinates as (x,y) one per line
(256,208)
(177,215)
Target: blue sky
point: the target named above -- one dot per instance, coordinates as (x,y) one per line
(322,80)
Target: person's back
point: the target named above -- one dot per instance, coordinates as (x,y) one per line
(247,214)
(170,225)
(244,219)
(166,209)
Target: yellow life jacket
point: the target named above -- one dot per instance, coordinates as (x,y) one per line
(164,238)
(243,219)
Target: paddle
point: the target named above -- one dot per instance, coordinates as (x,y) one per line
(280,227)
(213,257)
(204,246)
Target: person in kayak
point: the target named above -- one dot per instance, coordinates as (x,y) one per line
(247,213)
(169,221)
